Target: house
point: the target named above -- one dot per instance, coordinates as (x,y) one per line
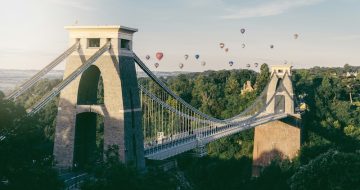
(247,88)
(351,74)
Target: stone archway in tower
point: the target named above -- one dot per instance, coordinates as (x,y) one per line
(91,89)
(89,127)
(89,139)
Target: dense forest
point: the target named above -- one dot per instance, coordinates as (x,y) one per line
(329,157)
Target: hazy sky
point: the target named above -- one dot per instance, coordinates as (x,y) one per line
(32,31)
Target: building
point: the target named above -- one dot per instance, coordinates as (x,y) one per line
(247,88)
(351,74)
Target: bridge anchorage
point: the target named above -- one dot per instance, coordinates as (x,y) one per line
(102,93)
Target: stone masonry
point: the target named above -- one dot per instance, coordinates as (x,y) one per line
(121,109)
(278,139)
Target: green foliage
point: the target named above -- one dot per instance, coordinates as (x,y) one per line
(352,131)
(234,147)
(182,86)
(113,175)
(332,122)
(213,173)
(46,116)
(215,93)
(275,176)
(35,93)
(330,110)
(331,170)
(26,159)
(263,78)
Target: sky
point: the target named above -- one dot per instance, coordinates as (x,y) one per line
(32,32)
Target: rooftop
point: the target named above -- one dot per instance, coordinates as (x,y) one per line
(119,27)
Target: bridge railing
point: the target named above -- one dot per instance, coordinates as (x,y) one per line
(191,128)
(159,82)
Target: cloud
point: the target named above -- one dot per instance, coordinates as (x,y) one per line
(272,8)
(77,4)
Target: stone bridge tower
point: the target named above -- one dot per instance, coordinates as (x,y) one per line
(279,138)
(119,109)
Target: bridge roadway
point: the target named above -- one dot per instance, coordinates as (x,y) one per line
(191,139)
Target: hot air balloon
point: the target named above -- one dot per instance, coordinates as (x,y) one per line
(248,65)
(285,62)
(186,56)
(147,57)
(222,45)
(243,45)
(159,55)
(296,36)
(242,30)
(181,65)
(231,63)
(256,64)
(272,46)
(203,63)
(197,56)
(226,49)
(156,65)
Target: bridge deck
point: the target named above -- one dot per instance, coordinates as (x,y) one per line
(205,136)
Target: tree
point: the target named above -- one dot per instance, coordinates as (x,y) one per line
(263,78)
(113,175)
(331,170)
(25,161)
(212,173)
(182,86)
(347,68)
(275,175)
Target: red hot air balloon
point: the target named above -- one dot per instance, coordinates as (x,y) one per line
(159,55)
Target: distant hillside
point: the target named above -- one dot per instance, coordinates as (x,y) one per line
(9,79)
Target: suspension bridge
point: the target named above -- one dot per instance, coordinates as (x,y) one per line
(143,117)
